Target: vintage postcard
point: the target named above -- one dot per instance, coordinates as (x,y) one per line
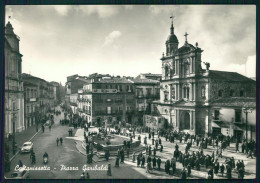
(130,92)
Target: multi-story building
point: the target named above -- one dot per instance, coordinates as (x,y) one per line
(110,100)
(14,102)
(146,90)
(73,84)
(31,101)
(58,92)
(38,98)
(189,95)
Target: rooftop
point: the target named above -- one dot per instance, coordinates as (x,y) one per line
(235,102)
(114,80)
(149,81)
(228,76)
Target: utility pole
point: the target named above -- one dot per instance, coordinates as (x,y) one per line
(246,111)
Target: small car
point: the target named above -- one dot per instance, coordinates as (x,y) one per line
(20,174)
(27,147)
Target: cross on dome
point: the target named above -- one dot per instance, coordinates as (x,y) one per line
(186,37)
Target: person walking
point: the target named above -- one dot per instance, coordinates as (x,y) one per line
(222,169)
(49,127)
(109,173)
(138,160)
(117,161)
(183,174)
(159,163)
(143,162)
(57,141)
(133,157)
(154,162)
(61,140)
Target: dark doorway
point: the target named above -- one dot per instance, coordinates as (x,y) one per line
(238,134)
(186,121)
(216,131)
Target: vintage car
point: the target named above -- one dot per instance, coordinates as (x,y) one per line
(27,147)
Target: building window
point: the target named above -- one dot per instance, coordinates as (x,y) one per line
(238,114)
(203,91)
(148,92)
(241,93)
(186,92)
(119,109)
(220,93)
(231,93)
(108,110)
(173,93)
(216,115)
(167,71)
(165,96)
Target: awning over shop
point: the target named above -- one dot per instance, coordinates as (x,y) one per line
(223,124)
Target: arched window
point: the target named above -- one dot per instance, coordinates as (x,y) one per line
(173,68)
(166,70)
(220,93)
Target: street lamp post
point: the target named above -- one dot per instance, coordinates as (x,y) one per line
(246,111)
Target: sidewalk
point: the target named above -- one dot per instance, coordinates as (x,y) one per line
(20,138)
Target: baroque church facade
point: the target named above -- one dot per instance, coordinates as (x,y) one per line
(188,93)
(14,96)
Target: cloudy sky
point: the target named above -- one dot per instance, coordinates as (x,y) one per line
(58,41)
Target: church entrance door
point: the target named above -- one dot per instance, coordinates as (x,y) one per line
(186,121)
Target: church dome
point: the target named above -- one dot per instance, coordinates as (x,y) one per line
(172,39)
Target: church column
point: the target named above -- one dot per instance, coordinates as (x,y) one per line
(194,91)
(191,120)
(170,92)
(194,121)
(177,91)
(177,118)
(177,67)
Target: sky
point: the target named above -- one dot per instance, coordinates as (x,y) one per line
(126,40)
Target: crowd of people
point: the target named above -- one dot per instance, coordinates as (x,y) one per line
(195,160)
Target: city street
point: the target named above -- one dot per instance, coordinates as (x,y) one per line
(69,156)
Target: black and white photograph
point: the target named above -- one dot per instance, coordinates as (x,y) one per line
(130,92)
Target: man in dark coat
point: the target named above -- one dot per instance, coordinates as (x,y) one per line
(222,169)
(183,174)
(159,163)
(154,151)
(229,172)
(143,161)
(189,169)
(241,173)
(149,159)
(154,162)
(161,149)
(117,162)
(87,148)
(138,160)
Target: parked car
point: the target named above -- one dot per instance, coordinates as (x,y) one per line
(20,174)
(27,147)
